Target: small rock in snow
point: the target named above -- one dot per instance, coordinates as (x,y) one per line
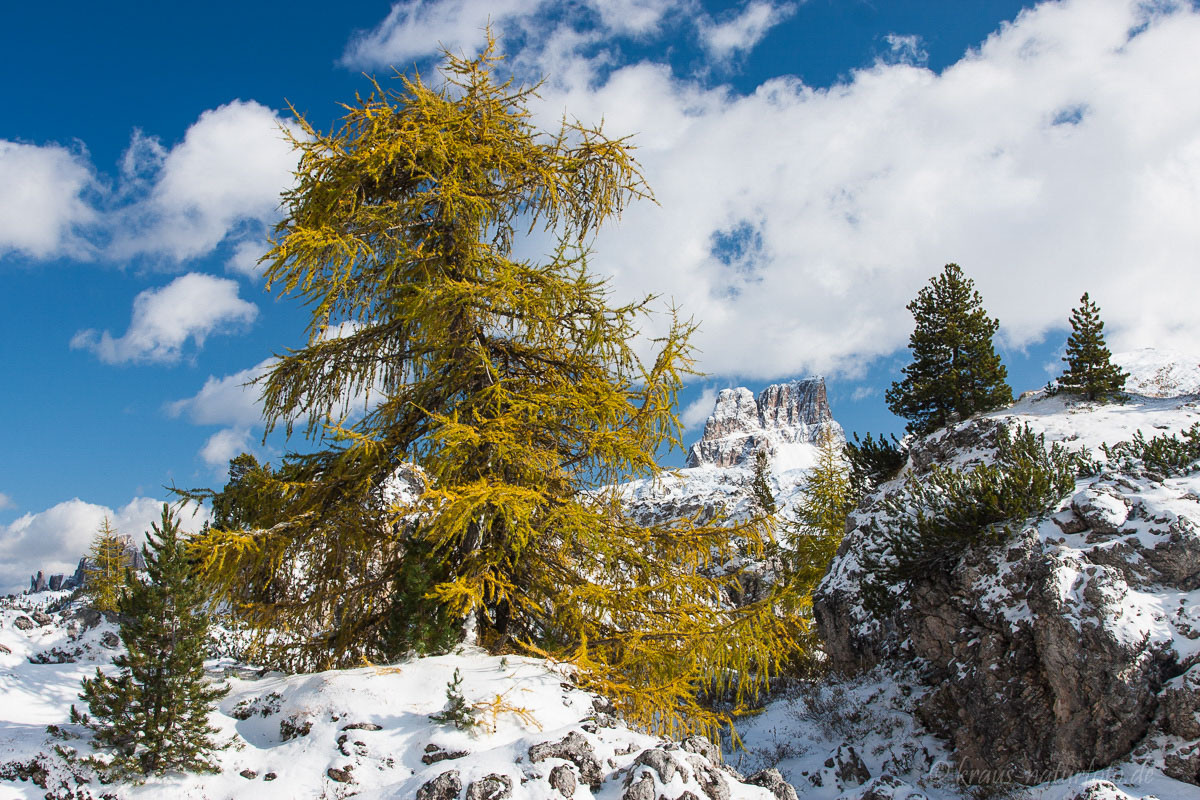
(772,780)
(1102,509)
(444,787)
(492,787)
(340,775)
(573,747)
(562,778)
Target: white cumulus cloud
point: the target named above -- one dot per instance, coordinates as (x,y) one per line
(55,539)
(43,208)
(223,446)
(698,411)
(414,30)
(741,32)
(227,173)
(231,400)
(191,307)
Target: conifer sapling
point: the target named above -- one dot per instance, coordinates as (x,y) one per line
(1090,371)
(152,716)
(760,485)
(105,572)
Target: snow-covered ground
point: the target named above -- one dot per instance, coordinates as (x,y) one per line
(363,732)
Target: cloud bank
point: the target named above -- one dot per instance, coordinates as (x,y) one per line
(43,205)
(220,185)
(1061,155)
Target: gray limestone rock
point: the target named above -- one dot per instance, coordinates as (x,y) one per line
(1102,507)
(772,780)
(491,787)
(573,747)
(661,762)
(444,787)
(643,789)
(562,779)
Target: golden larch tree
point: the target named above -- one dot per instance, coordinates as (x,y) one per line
(515,386)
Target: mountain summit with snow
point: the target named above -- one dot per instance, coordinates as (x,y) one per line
(785,420)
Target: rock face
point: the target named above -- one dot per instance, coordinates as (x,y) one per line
(741,425)
(1067,647)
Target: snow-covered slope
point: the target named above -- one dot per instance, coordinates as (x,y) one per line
(365,732)
(1075,643)
(1160,373)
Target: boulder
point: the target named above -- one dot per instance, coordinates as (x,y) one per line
(562,780)
(575,748)
(491,787)
(772,780)
(444,787)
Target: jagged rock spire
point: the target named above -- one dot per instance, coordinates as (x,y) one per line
(782,414)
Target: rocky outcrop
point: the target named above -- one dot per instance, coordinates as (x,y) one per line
(1065,648)
(785,421)
(741,425)
(41,583)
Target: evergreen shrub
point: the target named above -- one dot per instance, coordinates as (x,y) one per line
(925,528)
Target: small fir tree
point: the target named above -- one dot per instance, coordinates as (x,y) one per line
(760,485)
(105,572)
(1090,371)
(813,533)
(152,717)
(955,368)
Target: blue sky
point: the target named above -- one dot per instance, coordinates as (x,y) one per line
(814,162)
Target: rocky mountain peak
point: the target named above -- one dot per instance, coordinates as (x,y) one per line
(783,415)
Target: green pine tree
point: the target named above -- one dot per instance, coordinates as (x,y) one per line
(873,461)
(152,717)
(104,574)
(1090,371)
(825,496)
(812,535)
(760,486)
(955,369)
